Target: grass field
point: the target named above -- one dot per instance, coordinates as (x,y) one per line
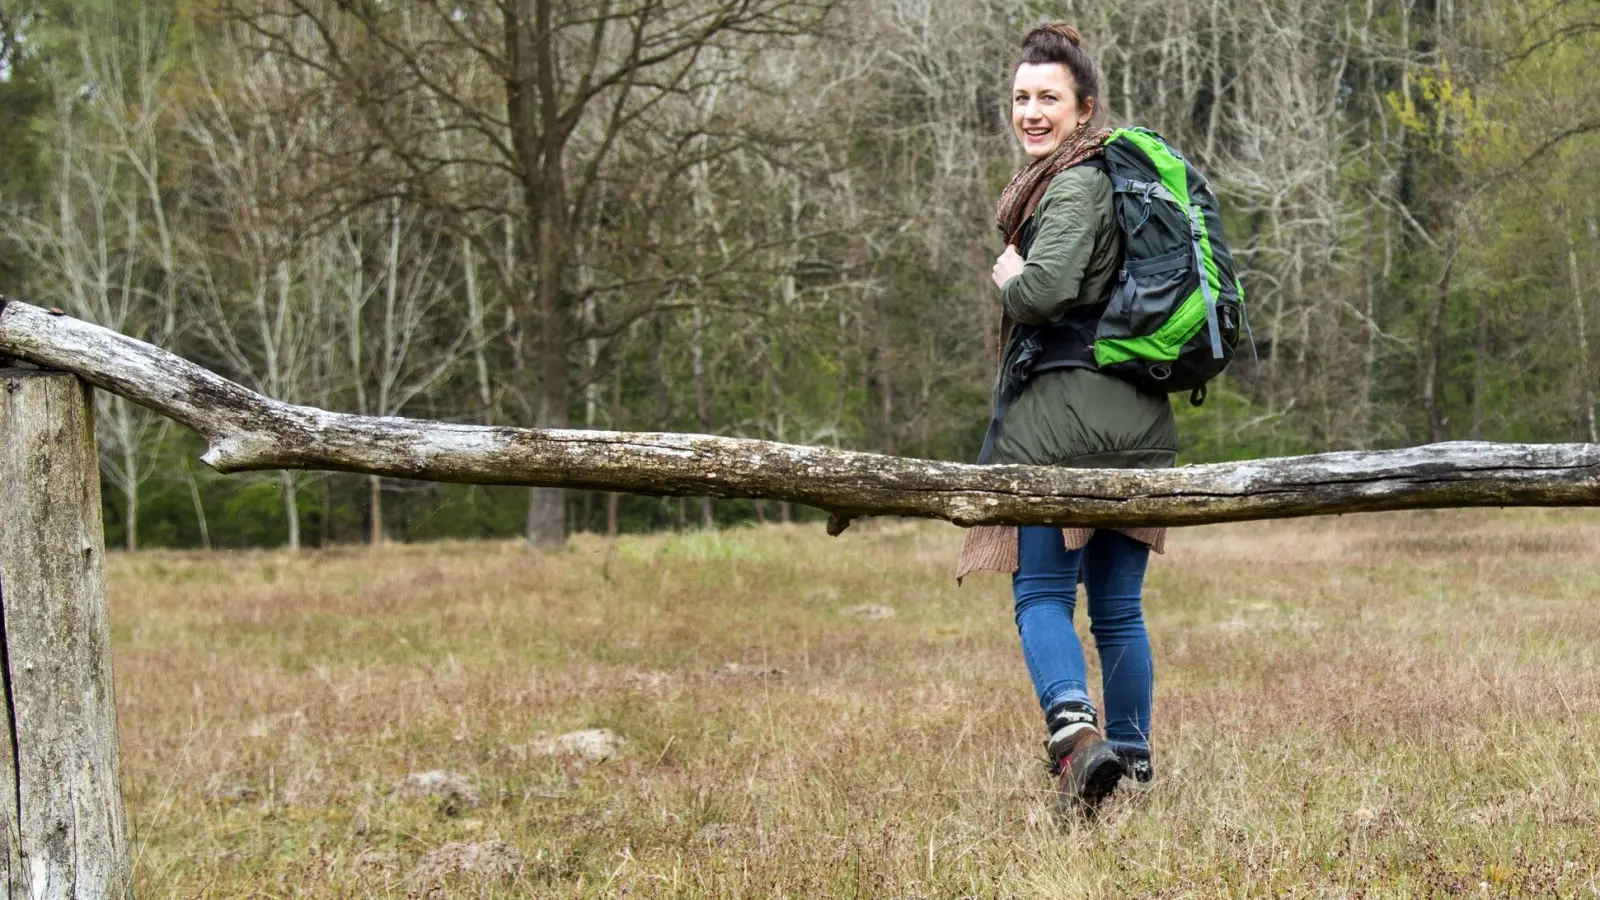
(1373,706)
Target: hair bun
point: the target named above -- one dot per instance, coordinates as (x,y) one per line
(1057,29)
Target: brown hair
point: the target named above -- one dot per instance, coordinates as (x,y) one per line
(1058,42)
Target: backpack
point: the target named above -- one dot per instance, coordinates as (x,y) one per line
(1173,320)
(1165,327)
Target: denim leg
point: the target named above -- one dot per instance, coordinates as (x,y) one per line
(1045,587)
(1113,572)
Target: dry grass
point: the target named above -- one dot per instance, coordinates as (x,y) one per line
(1378,706)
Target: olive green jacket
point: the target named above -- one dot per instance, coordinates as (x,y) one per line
(1076,417)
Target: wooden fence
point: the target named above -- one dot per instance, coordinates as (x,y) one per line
(63,832)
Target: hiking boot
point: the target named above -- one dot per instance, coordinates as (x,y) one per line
(1138,765)
(1086,768)
(1090,770)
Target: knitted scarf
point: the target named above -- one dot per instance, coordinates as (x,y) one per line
(1027,187)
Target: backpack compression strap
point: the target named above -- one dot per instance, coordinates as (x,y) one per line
(1205,282)
(1174,188)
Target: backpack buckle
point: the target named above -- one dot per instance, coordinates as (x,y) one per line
(1027,355)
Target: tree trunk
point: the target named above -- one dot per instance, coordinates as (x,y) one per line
(127,470)
(1580,319)
(63,832)
(1480,366)
(480,362)
(199,507)
(130,498)
(702,404)
(1369,361)
(885,380)
(325,526)
(591,404)
(1434,364)
(539,135)
(547,507)
(291,508)
(658,377)
(374,510)
(547,517)
(1214,114)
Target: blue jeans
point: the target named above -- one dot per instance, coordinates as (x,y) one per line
(1046,590)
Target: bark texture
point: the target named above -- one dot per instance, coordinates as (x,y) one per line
(247,431)
(65,835)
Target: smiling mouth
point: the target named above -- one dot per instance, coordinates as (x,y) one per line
(1036,132)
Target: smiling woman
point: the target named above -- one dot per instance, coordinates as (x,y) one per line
(1053,94)
(1063,257)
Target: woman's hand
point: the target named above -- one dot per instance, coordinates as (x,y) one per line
(1007,266)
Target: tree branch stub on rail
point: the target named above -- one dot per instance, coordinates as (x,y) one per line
(248,431)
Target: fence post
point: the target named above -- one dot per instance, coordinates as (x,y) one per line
(63,833)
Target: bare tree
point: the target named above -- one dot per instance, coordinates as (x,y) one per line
(570,79)
(101,241)
(400,338)
(263,292)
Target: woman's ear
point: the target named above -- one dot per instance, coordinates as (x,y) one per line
(1088,111)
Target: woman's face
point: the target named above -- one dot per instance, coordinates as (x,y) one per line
(1044,107)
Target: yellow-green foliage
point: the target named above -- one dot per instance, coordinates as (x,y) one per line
(1382,706)
(1449,111)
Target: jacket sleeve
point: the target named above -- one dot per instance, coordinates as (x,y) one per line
(1068,222)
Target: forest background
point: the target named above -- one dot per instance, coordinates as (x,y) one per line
(768,219)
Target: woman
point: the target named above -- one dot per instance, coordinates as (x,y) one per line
(1062,255)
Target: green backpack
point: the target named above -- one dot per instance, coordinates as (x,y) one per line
(1173,319)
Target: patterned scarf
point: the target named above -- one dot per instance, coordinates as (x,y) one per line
(1022,195)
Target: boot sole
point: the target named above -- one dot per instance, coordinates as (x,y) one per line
(1104,772)
(1102,781)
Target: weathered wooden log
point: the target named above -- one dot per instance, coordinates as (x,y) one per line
(64,833)
(248,431)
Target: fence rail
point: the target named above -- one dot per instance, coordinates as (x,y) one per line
(248,431)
